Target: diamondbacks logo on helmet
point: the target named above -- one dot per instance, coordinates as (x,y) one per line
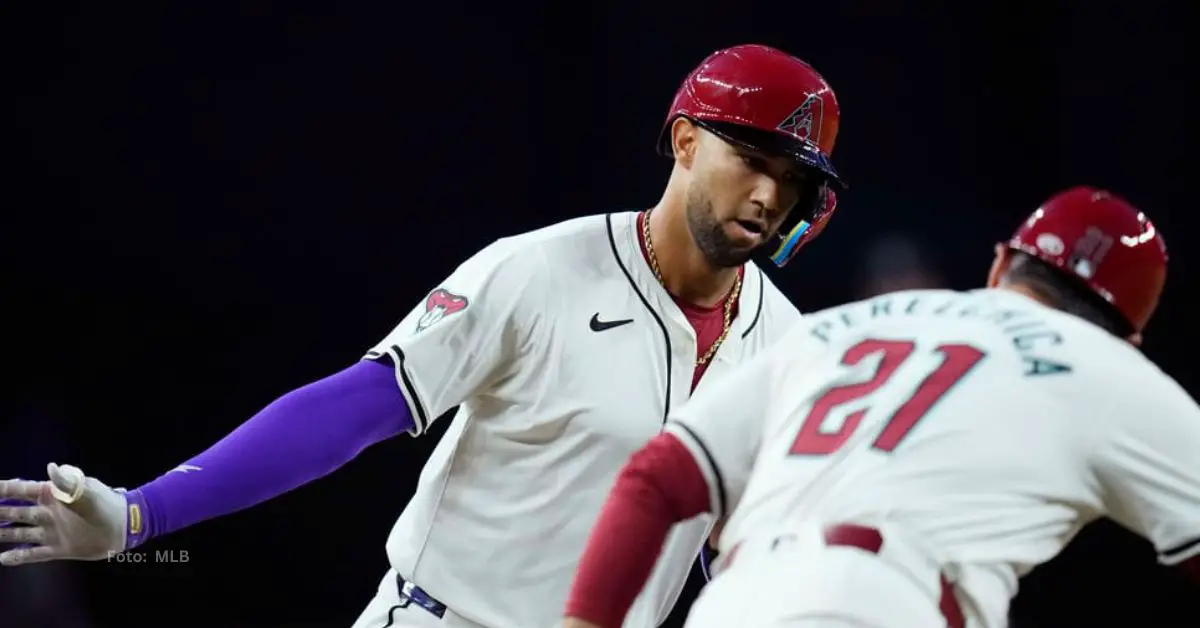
(1089,252)
(805,121)
(438,305)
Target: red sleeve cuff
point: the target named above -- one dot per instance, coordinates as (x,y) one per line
(660,486)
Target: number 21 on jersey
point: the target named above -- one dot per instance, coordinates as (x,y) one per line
(956,361)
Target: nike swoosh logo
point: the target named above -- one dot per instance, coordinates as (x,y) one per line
(184,468)
(598,325)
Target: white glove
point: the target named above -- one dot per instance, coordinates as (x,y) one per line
(71,517)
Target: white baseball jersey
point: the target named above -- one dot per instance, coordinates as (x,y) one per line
(564,355)
(987,425)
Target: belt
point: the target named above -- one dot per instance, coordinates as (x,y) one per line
(410,593)
(871,540)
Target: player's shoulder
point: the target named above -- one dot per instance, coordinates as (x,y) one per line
(543,249)
(879,306)
(582,240)
(925,313)
(1133,380)
(1122,376)
(565,232)
(772,295)
(774,309)
(1137,394)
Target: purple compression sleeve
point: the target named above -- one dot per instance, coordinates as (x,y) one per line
(300,437)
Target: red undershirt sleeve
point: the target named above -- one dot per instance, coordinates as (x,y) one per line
(660,486)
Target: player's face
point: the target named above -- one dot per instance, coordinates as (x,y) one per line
(737,199)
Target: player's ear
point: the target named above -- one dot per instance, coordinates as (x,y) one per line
(999,265)
(685,139)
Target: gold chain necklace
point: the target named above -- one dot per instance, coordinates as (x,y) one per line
(729,302)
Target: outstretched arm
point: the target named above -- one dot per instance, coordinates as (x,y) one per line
(300,437)
(462,338)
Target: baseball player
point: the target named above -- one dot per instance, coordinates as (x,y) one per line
(917,452)
(564,349)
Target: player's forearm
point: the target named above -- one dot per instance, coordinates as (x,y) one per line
(300,437)
(659,487)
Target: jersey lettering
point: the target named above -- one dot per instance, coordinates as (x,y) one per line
(957,361)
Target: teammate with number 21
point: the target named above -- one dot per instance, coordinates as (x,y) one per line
(899,462)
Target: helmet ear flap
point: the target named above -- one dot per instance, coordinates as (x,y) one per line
(826,205)
(795,234)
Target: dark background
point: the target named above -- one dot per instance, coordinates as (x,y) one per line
(207,206)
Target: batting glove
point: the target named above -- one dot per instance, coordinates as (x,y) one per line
(69,517)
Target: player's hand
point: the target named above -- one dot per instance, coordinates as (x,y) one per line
(70,517)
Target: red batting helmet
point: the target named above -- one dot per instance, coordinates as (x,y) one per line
(768,100)
(1104,241)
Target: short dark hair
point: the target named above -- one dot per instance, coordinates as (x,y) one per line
(1065,292)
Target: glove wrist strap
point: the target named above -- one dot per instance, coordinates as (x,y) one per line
(137,519)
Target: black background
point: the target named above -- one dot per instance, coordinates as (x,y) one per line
(208,205)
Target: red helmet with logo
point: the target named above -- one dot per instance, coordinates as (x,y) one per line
(770,101)
(1104,241)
